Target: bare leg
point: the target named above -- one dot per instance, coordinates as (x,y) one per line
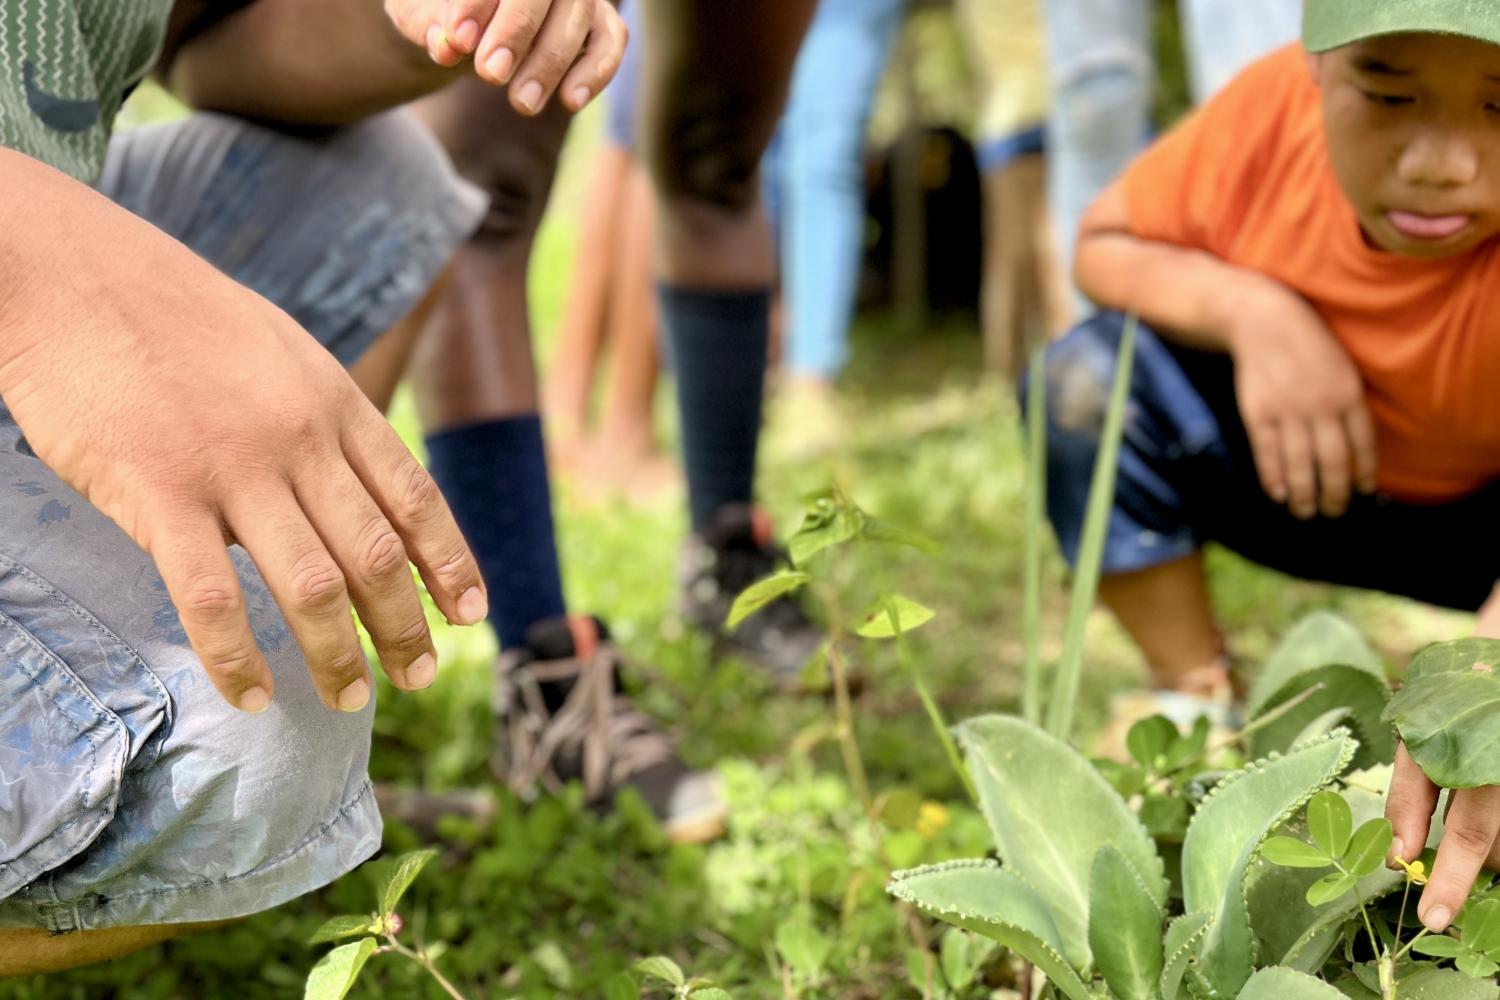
(591,306)
(30,952)
(474,363)
(1167,612)
(379,370)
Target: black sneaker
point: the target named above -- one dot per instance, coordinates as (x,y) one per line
(562,716)
(734,551)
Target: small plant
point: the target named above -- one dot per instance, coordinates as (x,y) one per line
(376,933)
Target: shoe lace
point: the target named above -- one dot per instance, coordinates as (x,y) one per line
(597,725)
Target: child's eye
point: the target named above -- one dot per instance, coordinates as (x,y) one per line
(1387,100)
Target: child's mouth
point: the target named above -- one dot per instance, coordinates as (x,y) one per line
(1427,227)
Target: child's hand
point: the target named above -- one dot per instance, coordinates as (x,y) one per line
(535,46)
(1303,403)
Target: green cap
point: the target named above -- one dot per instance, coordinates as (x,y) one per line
(1328,24)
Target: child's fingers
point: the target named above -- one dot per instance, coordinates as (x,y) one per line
(1468,837)
(555,49)
(465,22)
(1298,461)
(440,49)
(1361,429)
(1265,442)
(1409,806)
(1331,446)
(508,39)
(600,60)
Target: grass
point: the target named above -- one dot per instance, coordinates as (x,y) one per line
(551,900)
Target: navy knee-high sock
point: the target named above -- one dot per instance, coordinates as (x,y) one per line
(716,344)
(494,477)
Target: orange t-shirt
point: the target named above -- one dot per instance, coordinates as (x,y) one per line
(1247,179)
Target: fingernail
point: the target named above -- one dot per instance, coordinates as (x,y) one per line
(420,672)
(255,700)
(499,65)
(354,696)
(1437,918)
(531,95)
(581,96)
(472,607)
(1397,853)
(467,34)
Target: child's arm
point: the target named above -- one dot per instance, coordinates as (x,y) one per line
(1301,396)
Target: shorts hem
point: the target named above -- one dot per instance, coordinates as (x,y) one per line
(354,832)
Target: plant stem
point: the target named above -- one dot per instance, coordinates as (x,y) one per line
(1036,493)
(1091,547)
(1248,729)
(1424,932)
(421,958)
(844,709)
(935,716)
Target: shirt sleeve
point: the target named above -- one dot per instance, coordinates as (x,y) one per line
(1194,186)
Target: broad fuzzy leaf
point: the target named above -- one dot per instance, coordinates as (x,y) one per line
(763,592)
(1225,837)
(1449,712)
(1352,694)
(982,897)
(1050,811)
(1286,984)
(1184,936)
(1317,641)
(1125,928)
(335,973)
(408,867)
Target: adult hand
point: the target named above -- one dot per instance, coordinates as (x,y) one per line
(1470,828)
(536,47)
(195,414)
(1302,400)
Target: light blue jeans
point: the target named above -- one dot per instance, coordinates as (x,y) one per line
(1102,76)
(815,172)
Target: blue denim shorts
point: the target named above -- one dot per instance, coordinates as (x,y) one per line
(130,792)
(1187,477)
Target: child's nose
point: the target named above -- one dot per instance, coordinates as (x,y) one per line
(1439,158)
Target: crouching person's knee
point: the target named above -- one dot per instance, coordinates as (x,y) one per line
(143,798)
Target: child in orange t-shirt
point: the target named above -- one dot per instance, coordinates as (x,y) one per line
(1315,255)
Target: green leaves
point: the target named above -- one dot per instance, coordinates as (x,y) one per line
(1477,951)
(1355,855)
(892,615)
(1125,928)
(802,945)
(1330,887)
(408,867)
(1331,822)
(1449,712)
(335,973)
(342,927)
(662,968)
(982,897)
(833,519)
(1050,812)
(763,592)
(1286,984)
(1290,852)
(1367,851)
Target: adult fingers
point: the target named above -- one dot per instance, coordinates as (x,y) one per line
(1360,427)
(1265,443)
(376,570)
(1298,460)
(1468,837)
(1331,450)
(203,585)
(508,39)
(1409,807)
(412,503)
(309,587)
(465,21)
(440,47)
(556,48)
(601,58)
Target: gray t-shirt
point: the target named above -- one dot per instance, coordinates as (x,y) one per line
(65,67)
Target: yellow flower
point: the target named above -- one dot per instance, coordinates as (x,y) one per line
(1415,872)
(931,819)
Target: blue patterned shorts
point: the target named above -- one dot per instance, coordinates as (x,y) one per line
(130,792)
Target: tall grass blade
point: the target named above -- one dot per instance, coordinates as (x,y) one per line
(1035,515)
(1091,548)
